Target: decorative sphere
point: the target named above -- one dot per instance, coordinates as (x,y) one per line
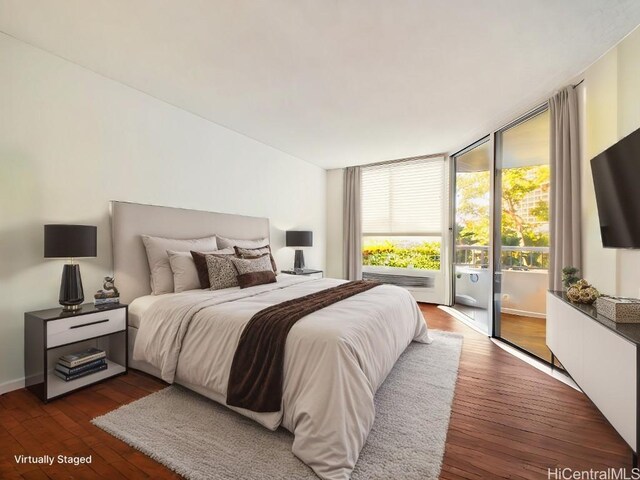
(582,292)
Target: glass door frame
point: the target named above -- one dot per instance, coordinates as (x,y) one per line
(490,139)
(497,232)
(495,248)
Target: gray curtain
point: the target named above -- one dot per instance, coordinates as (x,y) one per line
(352,227)
(564,224)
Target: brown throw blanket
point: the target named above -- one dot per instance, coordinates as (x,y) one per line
(256,377)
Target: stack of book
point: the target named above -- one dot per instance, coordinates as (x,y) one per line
(106,297)
(76,365)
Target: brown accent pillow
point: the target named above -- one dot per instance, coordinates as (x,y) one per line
(256,278)
(199,258)
(253,252)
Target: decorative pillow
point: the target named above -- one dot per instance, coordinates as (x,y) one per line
(252,252)
(256,278)
(185,274)
(200,263)
(224,242)
(161,274)
(251,265)
(222,273)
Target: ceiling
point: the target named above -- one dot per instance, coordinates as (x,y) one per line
(335,82)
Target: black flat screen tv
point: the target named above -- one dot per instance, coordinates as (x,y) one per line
(616,176)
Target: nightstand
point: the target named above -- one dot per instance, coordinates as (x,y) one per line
(49,334)
(305,271)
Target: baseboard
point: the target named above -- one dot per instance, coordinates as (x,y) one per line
(11,385)
(523,313)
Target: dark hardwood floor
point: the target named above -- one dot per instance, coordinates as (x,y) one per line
(508,421)
(63,427)
(526,332)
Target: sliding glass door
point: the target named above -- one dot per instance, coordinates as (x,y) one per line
(501,233)
(472,235)
(522,232)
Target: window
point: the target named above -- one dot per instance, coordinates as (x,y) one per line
(402,214)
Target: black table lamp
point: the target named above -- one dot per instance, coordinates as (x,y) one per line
(70,241)
(299,238)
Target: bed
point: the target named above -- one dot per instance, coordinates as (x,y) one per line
(335,358)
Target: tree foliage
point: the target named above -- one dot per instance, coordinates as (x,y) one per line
(473,203)
(473,207)
(517,183)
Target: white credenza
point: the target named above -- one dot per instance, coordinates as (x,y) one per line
(601,357)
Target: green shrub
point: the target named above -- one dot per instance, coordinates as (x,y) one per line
(425,256)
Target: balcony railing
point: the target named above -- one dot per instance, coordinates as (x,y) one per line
(511,258)
(472,255)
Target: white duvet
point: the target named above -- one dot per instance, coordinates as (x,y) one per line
(335,358)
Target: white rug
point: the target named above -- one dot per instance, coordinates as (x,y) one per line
(200,439)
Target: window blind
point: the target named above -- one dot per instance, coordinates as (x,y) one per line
(403,198)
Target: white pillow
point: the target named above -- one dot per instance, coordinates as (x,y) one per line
(161,274)
(185,274)
(224,242)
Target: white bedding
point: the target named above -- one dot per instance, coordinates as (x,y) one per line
(141,305)
(335,358)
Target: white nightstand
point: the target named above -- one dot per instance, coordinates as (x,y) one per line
(49,334)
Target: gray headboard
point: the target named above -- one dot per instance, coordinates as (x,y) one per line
(130,220)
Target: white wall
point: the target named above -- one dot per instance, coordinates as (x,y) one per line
(525,292)
(335,226)
(71,140)
(611,98)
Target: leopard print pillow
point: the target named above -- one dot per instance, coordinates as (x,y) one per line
(200,260)
(222,273)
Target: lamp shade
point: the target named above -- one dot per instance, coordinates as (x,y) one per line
(299,238)
(70,241)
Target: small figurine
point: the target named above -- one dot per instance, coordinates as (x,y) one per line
(109,293)
(109,285)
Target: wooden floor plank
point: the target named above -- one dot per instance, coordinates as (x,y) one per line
(506,410)
(526,332)
(508,420)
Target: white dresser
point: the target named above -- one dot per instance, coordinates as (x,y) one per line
(602,358)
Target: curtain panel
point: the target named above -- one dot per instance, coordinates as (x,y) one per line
(352,228)
(565,208)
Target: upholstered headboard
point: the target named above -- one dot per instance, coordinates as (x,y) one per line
(130,220)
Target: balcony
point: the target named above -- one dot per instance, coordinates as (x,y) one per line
(524,278)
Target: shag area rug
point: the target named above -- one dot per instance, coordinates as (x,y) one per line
(199,439)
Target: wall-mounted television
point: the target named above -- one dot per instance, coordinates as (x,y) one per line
(616,176)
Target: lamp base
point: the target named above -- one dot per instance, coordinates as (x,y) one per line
(71,308)
(298,262)
(71,293)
